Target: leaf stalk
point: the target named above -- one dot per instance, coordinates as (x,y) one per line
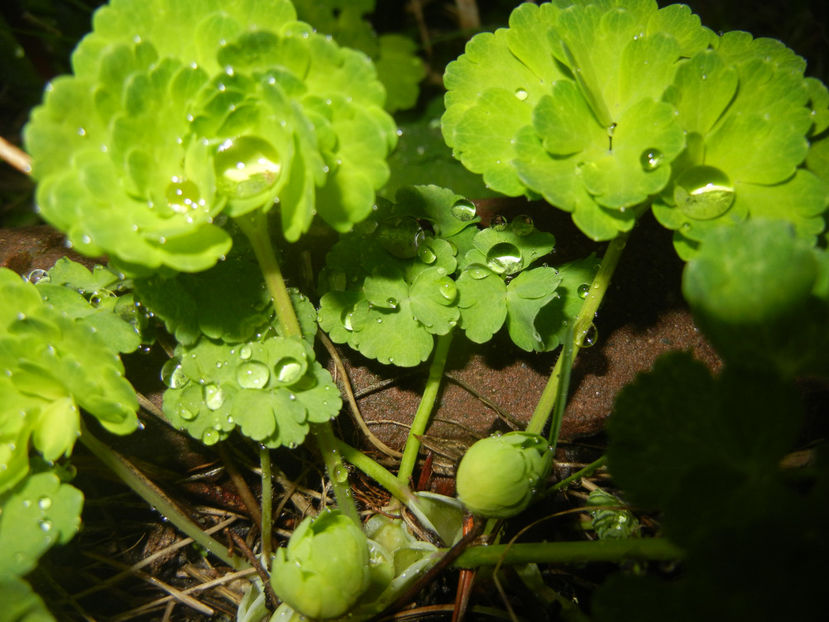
(424,409)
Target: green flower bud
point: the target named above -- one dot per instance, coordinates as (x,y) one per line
(498,476)
(325,567)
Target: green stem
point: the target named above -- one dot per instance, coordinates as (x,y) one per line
(338,474)
(659,549)
(584,472)
(153,495)
(387,480)
(255,227)
(424,409)
(581,327)
(267,503)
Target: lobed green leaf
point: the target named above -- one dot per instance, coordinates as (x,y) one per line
(271,388)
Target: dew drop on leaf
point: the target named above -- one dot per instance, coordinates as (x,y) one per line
(504,257)
(651,159)
(392,303)
(252,375)
(704,192)
(172,374)
(346,319)
(244,352)
(44,503)
(185,413)
(288,370)
(521,94)
(213,396)
(182,195)
(45,525)
(464,210)
(499,222)
(426,254)
(583,290)
(246,166)
(478,272)
(36,275)
(448,290)
(210,437)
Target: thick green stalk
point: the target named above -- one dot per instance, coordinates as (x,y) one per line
(337,472)
(658,549)
(267,503)
(424,409)
(148,491)
(399,490)
(255,227)
(582,326)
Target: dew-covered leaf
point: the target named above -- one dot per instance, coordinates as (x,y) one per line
(36,514)
(270,388)
(433,295)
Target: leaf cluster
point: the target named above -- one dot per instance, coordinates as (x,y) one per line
(219,108)
(708,452)
(602,107)
(54,362)
(419,267)
(398,67)
(231,368)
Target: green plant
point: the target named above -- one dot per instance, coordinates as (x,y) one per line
(194,137)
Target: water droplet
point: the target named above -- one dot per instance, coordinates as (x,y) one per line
(392,303)
(499,222)
(590,337)
(210,436)
(347,318)
(185,413)
(426,254)
(246,166)
(477,271)
(704,192)
(45,525)
(36,275)
(340,474)
(504,258)
(213,396)
(464,210)
(244,352)
(288,370)
(448,290)
(172,374)
(523,225)
(583,290)
(521,94)
(182,195)
(44,503)
(651,159)
(252,375)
